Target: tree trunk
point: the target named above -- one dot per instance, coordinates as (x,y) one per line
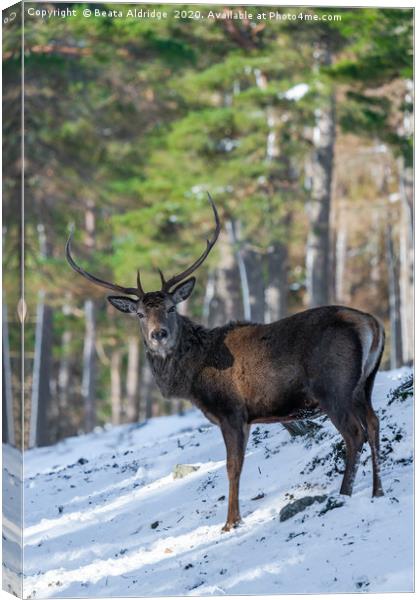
(376,277)
(341,293)
(39,430)
(116,386)
(149,393)
(255,274)
(8,426)
(132,411)
(394,302)
(226,303)
(231,227)
(277,289)
(63,383)
(407,235)
(208,297)
(147,387)
(40,396)
(318,242)
(407,261)
(89,367)
(89,353)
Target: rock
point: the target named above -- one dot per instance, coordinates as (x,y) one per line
(331,504)
(155,524)
(403,391)
(258,496)
(293,508)
(181,471)
(82,461)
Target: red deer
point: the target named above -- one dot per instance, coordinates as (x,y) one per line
(322,360)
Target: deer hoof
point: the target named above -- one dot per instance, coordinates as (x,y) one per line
(231,525)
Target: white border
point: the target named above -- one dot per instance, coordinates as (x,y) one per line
(317,3)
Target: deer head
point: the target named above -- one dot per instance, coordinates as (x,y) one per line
(156,311)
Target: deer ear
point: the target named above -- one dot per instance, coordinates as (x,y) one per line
(122,303)
(183,290)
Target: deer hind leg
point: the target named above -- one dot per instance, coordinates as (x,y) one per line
(235,435)
(373,436)
(354,439)
(373,439)
(353,430)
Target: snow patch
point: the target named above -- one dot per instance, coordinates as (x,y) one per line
(105,517)
(295,93)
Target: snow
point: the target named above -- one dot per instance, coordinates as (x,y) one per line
(296,93)
(91,501)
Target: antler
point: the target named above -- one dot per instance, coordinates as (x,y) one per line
(138,291)
(166,285)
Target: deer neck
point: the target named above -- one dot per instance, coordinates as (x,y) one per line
(174,373)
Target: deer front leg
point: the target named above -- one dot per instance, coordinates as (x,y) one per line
(235,435)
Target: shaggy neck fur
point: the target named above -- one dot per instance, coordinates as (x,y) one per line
(174,373)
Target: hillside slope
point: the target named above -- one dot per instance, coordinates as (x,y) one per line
(105,516)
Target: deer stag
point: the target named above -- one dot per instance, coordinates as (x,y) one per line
(322,360)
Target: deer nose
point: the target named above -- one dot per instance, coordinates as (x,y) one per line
(159,334)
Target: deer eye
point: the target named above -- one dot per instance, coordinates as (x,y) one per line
(140,315)
(172,309)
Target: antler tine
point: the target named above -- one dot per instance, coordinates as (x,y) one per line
(166,285)
(162,279)
(96,280)
(139,286)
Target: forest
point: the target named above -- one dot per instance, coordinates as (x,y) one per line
(300,128)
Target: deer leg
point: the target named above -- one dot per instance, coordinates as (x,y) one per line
(373,439)
(373,435)
(235,436)
(354,438)
(353,432)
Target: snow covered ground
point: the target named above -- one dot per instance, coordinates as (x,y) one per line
(104,515)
